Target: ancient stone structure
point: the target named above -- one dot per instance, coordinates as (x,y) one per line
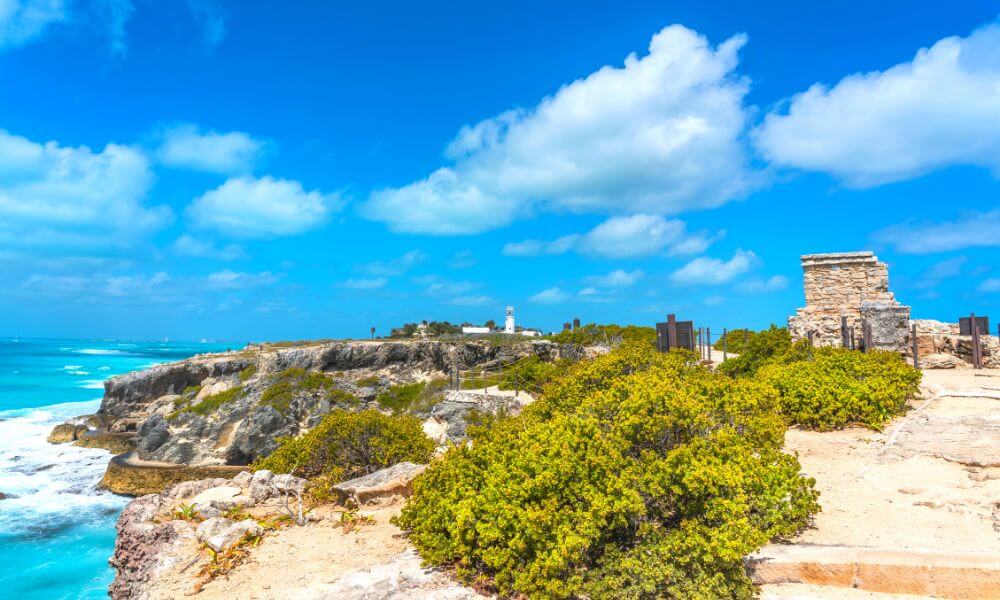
(854,285)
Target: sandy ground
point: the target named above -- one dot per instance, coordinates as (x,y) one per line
(929,482)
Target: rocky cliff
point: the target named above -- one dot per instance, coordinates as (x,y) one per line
(223,409)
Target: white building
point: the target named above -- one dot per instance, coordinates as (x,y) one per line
(508,325)
(474,330)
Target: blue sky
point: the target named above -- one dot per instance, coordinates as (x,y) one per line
(236,171)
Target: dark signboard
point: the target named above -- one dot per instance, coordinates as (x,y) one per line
(965,329)
(685,335)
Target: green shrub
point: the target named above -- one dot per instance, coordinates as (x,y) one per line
(209,404)
(191,390)
(636,475)
(593,333)
(294,382)
(370,381)
(247,373)
(350,444)
(735,340)
(773,345)
(532,373)
(843,387)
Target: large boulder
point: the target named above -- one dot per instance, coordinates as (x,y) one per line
(221,534)
(381,486)
(943,361)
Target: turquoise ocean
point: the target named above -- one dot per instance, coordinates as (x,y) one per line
(57,529)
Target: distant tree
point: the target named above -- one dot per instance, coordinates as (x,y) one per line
(491,324)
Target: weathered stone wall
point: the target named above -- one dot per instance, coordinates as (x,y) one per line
(853,285)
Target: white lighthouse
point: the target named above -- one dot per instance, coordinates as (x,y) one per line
(508,325)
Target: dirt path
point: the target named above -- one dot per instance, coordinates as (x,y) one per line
(924,493)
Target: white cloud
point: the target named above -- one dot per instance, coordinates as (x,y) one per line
(713,301)
(23,20)
(88,288)
(940,109)
(463,260)
(396,266)
(713,271)
(188,245)
(660,135)
(472,301)
(619,278)
(233,280)
(621,237)
(261,208)
(232,153)
(58,195)
(989,285)
(212,18)
(763,286)
(552,295)
(366,283)
(969,231)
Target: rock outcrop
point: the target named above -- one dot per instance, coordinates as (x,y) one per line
(936,339)
(381,486)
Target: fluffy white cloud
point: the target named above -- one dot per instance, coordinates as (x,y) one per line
(619,278)
(621,237)
(940,109)
(229,153)
(22,20)
(660,134)
(971,230)
(989,285)
(59,195)
(396,266)
(763,286)
(552,295)
(188,245)
(233,280)
(261,208)
(366,283)
(713,271)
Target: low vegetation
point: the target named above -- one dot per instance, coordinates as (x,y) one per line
(209,404)
(840,387)
(350,444)
(636,475)
(735,340)
(294,382)
(592,333)
(412,398)
(770,346)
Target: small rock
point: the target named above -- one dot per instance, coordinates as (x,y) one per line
(223,493)
(395,481)
(910,491)
(220,533)
(206,510)
(942,361)
(243,479)
(262,476)
(288,483)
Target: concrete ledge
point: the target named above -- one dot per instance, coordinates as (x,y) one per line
(885,570)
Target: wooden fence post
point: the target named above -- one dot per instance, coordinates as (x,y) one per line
(851,329)
(708,343)
(977,360)
(746,337)
(723,344)
(913,341)
(671,332)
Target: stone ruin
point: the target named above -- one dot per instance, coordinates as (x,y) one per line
(854,285)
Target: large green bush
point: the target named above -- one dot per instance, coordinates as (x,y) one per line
(772,345)
(735,340)
(842,387)
(637,475)
(350,444)
(293,382)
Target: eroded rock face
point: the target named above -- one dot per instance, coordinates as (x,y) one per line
(383,485)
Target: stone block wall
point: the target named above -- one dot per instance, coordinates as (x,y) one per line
(853,285)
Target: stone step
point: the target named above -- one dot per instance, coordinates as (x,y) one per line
(885,570)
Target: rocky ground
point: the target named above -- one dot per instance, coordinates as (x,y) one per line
(911,510)
(338,551)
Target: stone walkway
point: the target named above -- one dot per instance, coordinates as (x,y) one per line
(911,510)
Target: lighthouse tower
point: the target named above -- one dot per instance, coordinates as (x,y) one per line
(508,325)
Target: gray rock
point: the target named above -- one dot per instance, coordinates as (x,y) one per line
(243,479)
(220,534)
(207,510)
(288,484)
(152,434)
(393,482)
(401,577)
(188,489)
(457,406)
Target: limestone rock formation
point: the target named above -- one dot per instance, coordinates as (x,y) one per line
(386,484)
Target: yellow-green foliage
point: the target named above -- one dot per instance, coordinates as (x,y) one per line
(532,373)
(412,397)
(247,373)
(349,444)
(209,404)
(293,382)
(637,475)
(843,387)
(370,381)
(773,345)
(734,340)
(597,334)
